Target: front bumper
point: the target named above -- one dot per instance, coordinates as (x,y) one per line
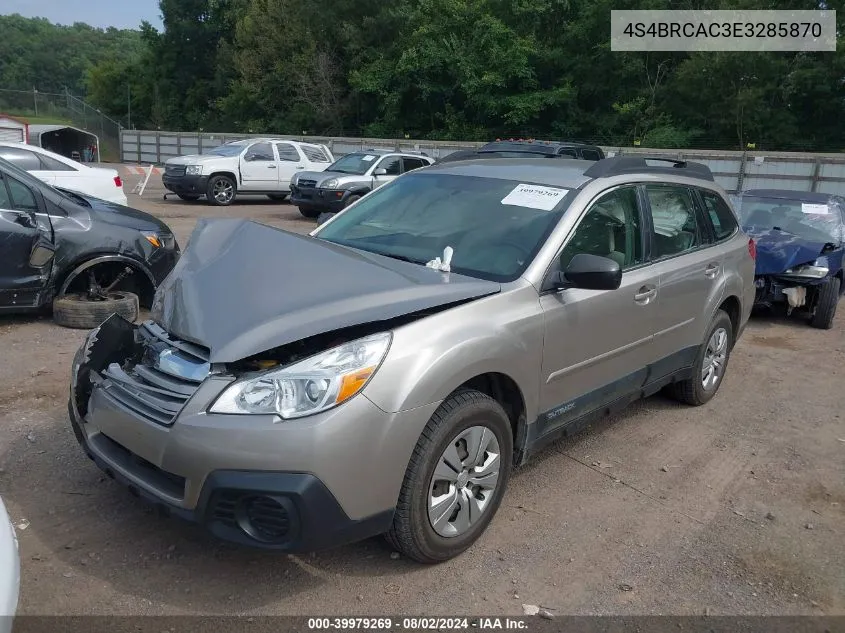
(185,185)
(327,200)
(770,289)
(319,482)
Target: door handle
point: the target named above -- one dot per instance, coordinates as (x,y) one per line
(300,167)
(271,167)
(645,295)
(711,271)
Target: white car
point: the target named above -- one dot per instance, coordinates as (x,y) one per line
(257,166)
(64,173)
(10,571)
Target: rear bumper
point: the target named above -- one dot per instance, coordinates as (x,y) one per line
(186,185)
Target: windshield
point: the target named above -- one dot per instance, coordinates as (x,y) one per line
(819,222)
(357,163)
(495,227)
(230,149)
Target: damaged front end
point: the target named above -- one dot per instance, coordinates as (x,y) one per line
(795,288)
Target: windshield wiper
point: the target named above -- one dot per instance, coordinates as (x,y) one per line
(401,258)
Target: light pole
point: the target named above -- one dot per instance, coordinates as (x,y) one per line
(129,106)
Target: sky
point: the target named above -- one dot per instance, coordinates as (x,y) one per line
(122,14)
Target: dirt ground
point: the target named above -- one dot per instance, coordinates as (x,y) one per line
(734,508)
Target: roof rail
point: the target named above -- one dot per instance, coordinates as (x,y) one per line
(619,165)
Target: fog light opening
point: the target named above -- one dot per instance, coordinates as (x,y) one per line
(263,518)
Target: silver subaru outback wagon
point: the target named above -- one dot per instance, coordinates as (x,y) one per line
(448,326)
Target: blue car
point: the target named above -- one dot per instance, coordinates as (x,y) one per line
(800,241)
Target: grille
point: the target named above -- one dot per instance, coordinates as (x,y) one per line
(174,170)
(159,385)
(306,184)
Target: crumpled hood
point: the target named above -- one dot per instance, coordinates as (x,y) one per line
(778,251)
(241,288)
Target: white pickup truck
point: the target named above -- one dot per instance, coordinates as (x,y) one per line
(256,166)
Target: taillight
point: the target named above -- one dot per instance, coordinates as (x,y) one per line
(118,182)
(752,249)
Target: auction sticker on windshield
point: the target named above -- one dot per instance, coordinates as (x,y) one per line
(369,158)
(535,197)
(815,209)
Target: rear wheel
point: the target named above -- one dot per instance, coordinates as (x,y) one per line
(455,480)
(221,191)
(826,303)
(188,197)
(710,364)
(309,213)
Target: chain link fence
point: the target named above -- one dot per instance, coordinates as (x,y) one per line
(47,108)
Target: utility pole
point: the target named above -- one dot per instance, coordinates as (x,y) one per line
(35,99)
(129,106)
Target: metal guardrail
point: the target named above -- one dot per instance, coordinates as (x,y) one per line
(733,170)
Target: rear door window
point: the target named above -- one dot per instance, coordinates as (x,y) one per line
(22,158)
(413,163)
(287,152)
(48,163)
(590,154)
(675,225)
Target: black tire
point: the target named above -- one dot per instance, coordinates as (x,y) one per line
(188,197)
(77,311)
(412,533)
(692,391)
(277,196)
(324,217)
(309,213)
(217,181)
(351,199)
(828,299)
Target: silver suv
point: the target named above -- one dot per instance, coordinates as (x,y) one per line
(350,178)
(453,322)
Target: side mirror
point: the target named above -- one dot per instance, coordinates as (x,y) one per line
(26,219)
(592,272)
(381,171)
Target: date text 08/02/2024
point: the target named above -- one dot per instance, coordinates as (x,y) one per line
(416,624)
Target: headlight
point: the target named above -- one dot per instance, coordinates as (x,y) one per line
(294,179)
(309,386)
(331,183)
(193,170)
(818,270)
(160,240)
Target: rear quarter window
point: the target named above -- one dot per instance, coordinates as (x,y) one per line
(590,154)
(720,214)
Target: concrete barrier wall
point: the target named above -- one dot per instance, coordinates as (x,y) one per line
(735,171)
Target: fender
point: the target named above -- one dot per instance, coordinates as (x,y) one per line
(104,259)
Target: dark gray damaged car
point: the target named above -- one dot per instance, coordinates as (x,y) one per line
(385,374)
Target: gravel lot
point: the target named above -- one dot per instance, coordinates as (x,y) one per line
(733,508)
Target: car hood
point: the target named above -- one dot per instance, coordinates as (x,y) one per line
(778,251)
(197,159)
(241,288)
(320,176)
(117,214)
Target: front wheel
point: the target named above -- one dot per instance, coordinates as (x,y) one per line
(455,480)
(309,213)
(711,363)
(828,299)
(221,191)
